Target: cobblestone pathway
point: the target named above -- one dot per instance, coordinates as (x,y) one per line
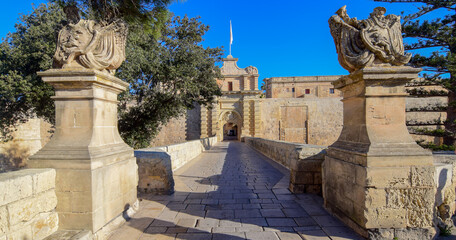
(232,192)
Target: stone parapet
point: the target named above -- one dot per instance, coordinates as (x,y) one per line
(27,204)
(156,165)
(303,160)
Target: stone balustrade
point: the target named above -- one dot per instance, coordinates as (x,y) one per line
(156,165)
(27,204)
(303,160)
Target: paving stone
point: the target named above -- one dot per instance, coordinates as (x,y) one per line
(288,236)
(255,221)
(261,236)
(176,230)
(199,230)
(153,229)
(315,210)
(249,228)
(272,213)
(341,233)
(281,222)
(281,191)
(328,221)
(279,229)
(295,212)
(186,222)
(223,229)
(220,195)
(229,236)
(230,223)
(251,206)
(194,236)
(220,214)
(305,221)
(207,222)
(157,237)
(271,205)
(314,235)
(247,213)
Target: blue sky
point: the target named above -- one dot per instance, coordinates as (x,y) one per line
(285,38)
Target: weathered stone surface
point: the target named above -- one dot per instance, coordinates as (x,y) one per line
(3,220)
(373,41)
(304,162)
(45,225)
(375,176)
(96,171)
(93,45)
(26,209)
(15,185)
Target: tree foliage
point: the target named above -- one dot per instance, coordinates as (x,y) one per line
(166,75)
(151,14)
(438,36)
(23,53)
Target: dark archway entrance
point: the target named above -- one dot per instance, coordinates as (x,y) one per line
(230,131)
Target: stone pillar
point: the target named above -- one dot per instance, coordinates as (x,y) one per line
(246,127)
(96,172)
(376,179)
(204,125)
(214,118)
(257,117)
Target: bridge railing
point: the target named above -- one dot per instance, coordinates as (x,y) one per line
(156,165)
(303,160)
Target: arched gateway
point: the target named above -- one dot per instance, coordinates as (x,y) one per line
(237,112)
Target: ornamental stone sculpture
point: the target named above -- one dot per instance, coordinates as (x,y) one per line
(373,41)
(92,45)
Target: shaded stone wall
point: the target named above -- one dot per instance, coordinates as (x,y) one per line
(156,165)
(27,204)
(303,160)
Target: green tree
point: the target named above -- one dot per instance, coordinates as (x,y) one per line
(166,75)
(438,36)
(151,14)
(23,53)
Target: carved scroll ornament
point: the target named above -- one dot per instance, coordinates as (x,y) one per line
(92,45)
(373,41)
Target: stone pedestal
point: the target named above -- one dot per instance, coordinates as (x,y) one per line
(376,179)
(96,172)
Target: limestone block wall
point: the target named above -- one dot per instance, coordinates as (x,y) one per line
(324,118)
(181,129)
(156,165)
(27,204)
(304,162)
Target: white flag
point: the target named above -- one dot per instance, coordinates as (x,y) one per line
(231,34)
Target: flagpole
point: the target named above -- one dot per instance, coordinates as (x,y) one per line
(231,36)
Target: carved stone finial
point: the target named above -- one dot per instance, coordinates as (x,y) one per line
(251,70)
(92,45)
(373,41)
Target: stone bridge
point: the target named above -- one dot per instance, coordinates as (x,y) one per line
(231,192)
